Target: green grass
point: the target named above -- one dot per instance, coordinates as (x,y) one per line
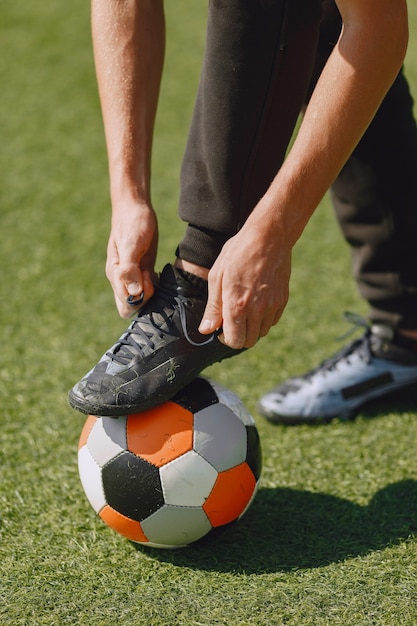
(331,537)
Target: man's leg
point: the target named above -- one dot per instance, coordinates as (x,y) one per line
(375,198)
(257,68)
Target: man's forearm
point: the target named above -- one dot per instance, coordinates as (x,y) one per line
(129,43)
(353,83)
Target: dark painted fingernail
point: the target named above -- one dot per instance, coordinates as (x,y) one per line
(132,302)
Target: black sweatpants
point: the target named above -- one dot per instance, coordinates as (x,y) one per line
(261,61)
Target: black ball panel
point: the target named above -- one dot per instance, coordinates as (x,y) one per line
(254,451)
(196,396)
(132,486)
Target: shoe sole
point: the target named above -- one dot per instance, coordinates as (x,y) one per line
(111,410)
(157,395)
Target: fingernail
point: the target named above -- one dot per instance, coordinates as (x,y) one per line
(133,289)
(135,301)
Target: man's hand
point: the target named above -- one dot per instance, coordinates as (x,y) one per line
(131,254)
(248,289)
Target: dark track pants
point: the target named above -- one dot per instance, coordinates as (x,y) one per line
(261,61)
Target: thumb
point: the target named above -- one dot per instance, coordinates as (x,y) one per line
(129,290)
(212,318)
(131,280)
(134,289)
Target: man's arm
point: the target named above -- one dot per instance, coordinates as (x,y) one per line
(248,284)
(129,43)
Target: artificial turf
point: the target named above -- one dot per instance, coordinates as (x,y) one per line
(331,536)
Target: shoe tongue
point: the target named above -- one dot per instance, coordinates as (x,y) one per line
(186,284)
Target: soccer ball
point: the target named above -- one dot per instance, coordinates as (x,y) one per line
(168,476)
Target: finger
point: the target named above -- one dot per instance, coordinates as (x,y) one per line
(253,330)
(141,292)
(150,281)
(137,301)
(125,311)
(114,274)
(134,303)
(126,302)
(276,318)
(135,291)
(212,317)
(127,288)
(234,331)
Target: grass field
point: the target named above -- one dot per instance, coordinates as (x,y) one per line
(331,538)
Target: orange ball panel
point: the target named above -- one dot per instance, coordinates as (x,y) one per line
(230,495)
(88,426)
(160,434)
(123,525)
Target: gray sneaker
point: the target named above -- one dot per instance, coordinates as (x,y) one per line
(376,364)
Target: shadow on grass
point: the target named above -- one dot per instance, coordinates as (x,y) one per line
(287,529)
(403,401)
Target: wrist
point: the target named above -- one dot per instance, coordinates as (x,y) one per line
(125,191)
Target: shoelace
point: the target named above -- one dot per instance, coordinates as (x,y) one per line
(143,328)
(363,344)
(356,322)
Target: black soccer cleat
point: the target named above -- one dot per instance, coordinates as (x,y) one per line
(159,354)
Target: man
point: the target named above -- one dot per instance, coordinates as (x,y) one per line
(244,202)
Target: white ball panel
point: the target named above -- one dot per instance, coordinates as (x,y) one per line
(220,437)
(187,480)
(90,475)
(173,526)
(234,403)
(101,447)
(116,429)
